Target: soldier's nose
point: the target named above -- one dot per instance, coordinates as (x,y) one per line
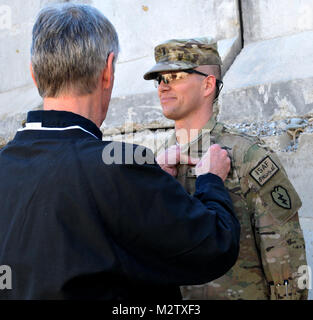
(163,86)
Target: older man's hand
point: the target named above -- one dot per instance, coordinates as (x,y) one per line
(216,161)
(171,157)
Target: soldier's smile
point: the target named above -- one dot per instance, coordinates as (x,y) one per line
(165,100)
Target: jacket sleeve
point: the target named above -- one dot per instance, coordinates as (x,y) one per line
(163,235)
(275,205)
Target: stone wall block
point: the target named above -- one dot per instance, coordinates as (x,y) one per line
(267,19)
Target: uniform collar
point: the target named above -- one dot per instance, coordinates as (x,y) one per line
(206,130)
(62,119)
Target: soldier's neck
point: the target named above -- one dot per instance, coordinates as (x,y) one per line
(188,129)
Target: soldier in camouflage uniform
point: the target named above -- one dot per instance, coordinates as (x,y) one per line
(272,247)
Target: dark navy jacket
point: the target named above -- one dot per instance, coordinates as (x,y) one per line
(73,227)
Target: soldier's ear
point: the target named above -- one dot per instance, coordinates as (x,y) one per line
(209,85)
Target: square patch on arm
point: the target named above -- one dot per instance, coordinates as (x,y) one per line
(264,171)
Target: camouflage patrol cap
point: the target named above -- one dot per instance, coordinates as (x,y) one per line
(183,54)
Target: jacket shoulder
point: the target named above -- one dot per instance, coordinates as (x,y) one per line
(260,170)
(237,143)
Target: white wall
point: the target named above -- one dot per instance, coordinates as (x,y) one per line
(17,91)
(266,19)
(143,24)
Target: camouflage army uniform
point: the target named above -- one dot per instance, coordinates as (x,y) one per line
(271,246)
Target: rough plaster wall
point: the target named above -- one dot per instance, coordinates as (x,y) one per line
(15,39)
(17,91)
(266,19)
(270,79)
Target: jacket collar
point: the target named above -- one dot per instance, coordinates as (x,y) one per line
(61,120)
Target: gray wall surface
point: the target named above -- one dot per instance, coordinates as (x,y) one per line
(267,19)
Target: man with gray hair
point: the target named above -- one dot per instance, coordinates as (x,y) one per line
(72,225)
(272,257)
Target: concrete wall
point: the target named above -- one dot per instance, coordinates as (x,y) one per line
(267,19)
(17,91)
(272,77)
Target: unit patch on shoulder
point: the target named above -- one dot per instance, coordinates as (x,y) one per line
(264,171)
(281,197)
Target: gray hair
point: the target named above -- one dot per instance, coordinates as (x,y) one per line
(70,47)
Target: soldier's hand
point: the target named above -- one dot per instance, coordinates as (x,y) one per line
(215,161)
(171,157)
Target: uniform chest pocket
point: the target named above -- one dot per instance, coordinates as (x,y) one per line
(187,177)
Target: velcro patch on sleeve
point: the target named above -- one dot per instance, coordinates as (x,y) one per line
(264,171)
(281,197)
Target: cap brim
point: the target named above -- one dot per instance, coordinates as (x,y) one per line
(166,66)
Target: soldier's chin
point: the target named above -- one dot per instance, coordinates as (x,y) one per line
(169,115)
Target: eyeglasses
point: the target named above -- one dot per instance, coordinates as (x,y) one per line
(169,77)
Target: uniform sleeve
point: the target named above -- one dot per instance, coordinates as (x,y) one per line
(161,234)
(275,204)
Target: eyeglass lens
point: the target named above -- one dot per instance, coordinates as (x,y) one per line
(168,77)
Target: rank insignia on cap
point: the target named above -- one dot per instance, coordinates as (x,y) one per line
(281,197)
(264,171)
